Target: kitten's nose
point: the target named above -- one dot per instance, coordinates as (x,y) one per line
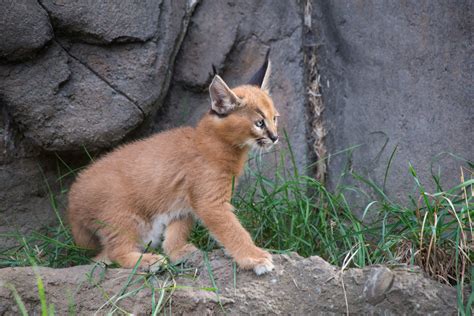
(274,138)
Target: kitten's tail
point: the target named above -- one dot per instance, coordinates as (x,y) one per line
(83,236)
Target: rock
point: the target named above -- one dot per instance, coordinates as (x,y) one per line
(234,36)
(67,107)
(396,75)
(141,71)
(298,286)
(105,22)
(25,29)
(378,283)
(25,179)
(87,95)
(206,42)
(26,204)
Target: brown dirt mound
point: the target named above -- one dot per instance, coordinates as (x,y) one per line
(298,286)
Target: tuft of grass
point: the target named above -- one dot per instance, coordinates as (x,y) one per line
(294,212)
(19,302)
(46,309)
(49,247)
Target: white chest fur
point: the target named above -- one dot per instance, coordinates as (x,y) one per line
(153,233)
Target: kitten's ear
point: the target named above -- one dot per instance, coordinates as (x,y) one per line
(262,77)
(223,100)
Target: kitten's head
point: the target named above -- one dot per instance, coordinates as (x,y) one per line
(245,116)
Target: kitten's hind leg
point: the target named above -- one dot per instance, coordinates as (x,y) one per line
(120,245)
(176,244)
(128,257)
(102,257)
(83,236)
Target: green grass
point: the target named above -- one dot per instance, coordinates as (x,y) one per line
(294,212)
(290,211)
(49,247)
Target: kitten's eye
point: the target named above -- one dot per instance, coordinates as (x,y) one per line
(275,119)
(260,123)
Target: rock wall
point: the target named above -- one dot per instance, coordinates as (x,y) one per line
(396,75)
(77,78)
(298,286)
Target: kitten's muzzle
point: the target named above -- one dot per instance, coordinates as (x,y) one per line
(273,137)
(267,141)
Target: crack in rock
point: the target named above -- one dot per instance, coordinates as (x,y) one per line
(56,40)
(101,77)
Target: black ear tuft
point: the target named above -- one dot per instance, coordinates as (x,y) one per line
(257,79)
(214,70)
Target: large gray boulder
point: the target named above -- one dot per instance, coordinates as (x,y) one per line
(396,75)
(298,286)
(67,106)
(25,28)
(105,22)
(78,93)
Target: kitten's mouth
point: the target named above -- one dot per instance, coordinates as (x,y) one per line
(262,142)
(259,143)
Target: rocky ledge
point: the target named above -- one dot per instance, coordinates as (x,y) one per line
(298,286)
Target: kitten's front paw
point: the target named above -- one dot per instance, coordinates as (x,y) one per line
(264,267)
(258,260)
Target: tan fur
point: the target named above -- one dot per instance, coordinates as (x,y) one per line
(181,173)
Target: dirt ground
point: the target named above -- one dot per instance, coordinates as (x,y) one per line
(298,286)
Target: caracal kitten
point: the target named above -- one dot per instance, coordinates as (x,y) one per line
(131,196)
